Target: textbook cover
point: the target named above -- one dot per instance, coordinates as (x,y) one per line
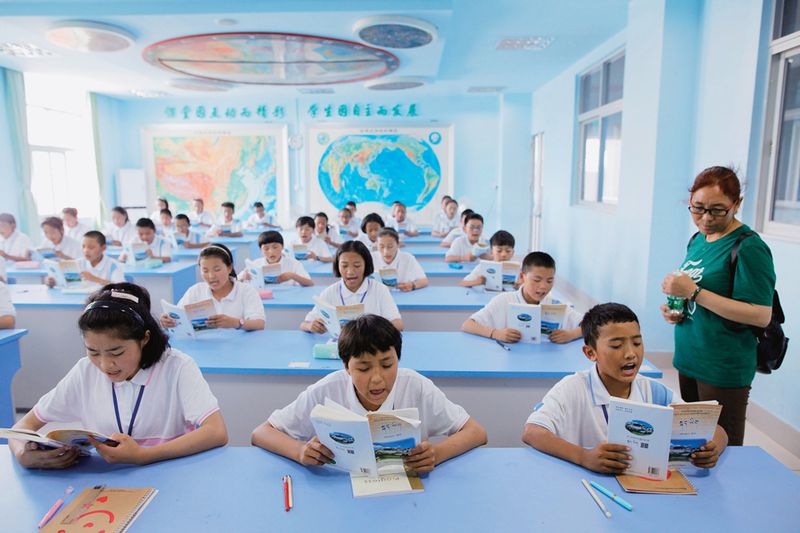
(552,318)
(45,252)
(527,319)
(261,276)
(493,272)
(136,253)
(511,271)
(388,277)
(300,251)
(199,312)
(66,273)
(183,327)
(647,430)
(337,316)
(58,438)
(693,425)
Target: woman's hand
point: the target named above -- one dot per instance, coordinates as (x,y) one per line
(669,317)
(682,286)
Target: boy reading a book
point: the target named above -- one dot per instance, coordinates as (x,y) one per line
(572,421)
(184,236)
(465,248)
(292,271)
(501,246)
(537,276)
(369,347)
(157,247)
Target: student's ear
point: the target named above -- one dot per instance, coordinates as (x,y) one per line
(146,338)
(589,352)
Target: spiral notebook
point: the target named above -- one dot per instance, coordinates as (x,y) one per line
(676,483)
(101,509)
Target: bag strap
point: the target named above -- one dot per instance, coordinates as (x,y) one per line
(734,258)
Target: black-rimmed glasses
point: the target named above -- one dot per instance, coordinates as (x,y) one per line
(714,211)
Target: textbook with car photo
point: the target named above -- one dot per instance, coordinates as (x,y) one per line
(388,276)
(189,319)
(552,318)
(493,272)
(527,319)
(511,271)
(58,438)
(336,316)
(67,276)
(261,276)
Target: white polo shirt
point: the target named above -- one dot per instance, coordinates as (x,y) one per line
(364,238)
(125,234)
(439,416)
(108,268)
(17,244)
(442,223)
(6,307)
(194,237)
(333,233)
(234,224)
(406,226)
(495,313)
(461,246)
(68,246)
(160,247)
(242,302)
(77,232)
(407,266)
(453,235)
(254,221)
(351,227)
(288,264)
(373,294)
(319,247)
(175,401)
(203,218)
(576,408)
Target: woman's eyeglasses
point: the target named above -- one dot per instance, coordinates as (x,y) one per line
(714,211)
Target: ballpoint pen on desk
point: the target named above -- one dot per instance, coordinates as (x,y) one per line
(596,499)
(288,503)
(56,506)
(503,346)
(619,501)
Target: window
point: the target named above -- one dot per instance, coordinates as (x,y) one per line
(600,130)
(63,171)
(781,209)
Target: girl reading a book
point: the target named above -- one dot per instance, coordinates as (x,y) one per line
(353,264)
(409,275)
(237,304)
(149,399)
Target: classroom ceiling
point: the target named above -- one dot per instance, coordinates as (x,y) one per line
(463,55)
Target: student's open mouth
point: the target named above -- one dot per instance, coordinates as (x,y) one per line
(376,393)
(629,369)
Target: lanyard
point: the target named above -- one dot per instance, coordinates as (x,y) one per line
(135,409)
(341,296)
(605,413)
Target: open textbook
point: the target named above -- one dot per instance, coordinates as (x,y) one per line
(552,317)
(510,270)
(58,438)
(660,436)
(388,276)
(527,319)
(190,318)
(261,276)
(493,272)
(336,316)
(67,276)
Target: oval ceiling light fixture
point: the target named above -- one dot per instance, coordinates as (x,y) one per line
(89,36)
(394,84)
(267,58)
(395,31)
(196,84)
(226,22)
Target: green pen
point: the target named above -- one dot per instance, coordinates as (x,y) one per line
(619,501)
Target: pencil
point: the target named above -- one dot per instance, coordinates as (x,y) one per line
(596,498)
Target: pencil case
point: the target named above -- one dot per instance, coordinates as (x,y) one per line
(265,294)
(327,350)
(456,266)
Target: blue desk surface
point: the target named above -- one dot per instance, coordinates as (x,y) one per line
(433,354)
(425,251)
(9,365)
(432,268)
(441,298)
(41,296)
(173,267)
(11,335)
(487,489)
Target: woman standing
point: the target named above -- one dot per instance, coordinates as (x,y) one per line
(715,348)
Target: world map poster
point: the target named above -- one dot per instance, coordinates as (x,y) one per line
(374,166)
(241,164)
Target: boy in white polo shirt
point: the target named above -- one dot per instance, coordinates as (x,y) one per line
(409,275)
(292,271)
(458,231)
(14,245)
(501,246)
(401,223)
(462,248)
(63,246)
(538,276)
(572,421)
(316,249)
(72,226)
(447,220)
(199,216)
(369,347)
(95,266)
(8,316)
(157,247)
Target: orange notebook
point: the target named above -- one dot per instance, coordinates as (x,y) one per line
(101,509)
(676,483)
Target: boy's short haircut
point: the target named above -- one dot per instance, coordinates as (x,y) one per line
(96,235)
(165,212)
(466,212)
(602,314)
(181,216)
(145,223)
(502,238)
(199,200)
(304,221)
(356,247)
(538,259)
(121,210)
(54,222)
(400,204)
(450,201)
(446,197)
(8,218)
(322,214)
(257,204)
(473,216)
(389,232)
(229,205)
(269,237)
(368,334)
(71,211)
(372,217)
(351,202)
(345,210)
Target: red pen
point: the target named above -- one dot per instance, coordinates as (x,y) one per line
(287,492)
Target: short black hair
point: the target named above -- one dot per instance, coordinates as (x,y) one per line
(538,259)
(165,211)
(304,221)
(257,204)
(466,212)
(368,334)
(96,235)
(351,202)
(372,217)
(357,247)
(602,314)
(145,223)
(121,210)
(472,216)
(269,237)
(450,201)
(54,222)
(199,200)
(181,216)
(162,199)
(322,214)
(229,205)
(389,232)
(446,197)
(8,218)
(344,209)
(222,252)
(502,238)
(128,319)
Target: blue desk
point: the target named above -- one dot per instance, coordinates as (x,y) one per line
(9,364)
(439,273)
(421,240)
(484,490)
(253,373)
(425,251)
(428,309)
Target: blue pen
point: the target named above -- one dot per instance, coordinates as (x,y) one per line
(619,501)
(503,346)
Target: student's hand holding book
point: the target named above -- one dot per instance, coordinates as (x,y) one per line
(126,451)
(166,321)
(606,458)
(421,458)
(223,321)
(318,326)
(35,456)
(314,453)
(506,335)
(707,457)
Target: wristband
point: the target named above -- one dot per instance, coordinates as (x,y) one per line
(693,297)
(491,334)
(413,285)
(241,323)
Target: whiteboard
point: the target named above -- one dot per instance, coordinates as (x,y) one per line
(131,188)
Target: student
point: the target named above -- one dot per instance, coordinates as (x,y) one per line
(351,205)
(237,304)
(234,228)
(317,249)
(393,210)
(8,316)
(131,386)
(200,217)
(165,225)
(457,232)
(14,245)
(410,275)
(292,270)
(65,247)
(353,263)
(157,247)
(3,270)
(327,233)
(501,246)
(447,220)
(184,234)
(73,227)
(462,248)
(370,347)
(538,275)
(120,232)
(572,422)
(347,223)
(401,223)
(260,218)
(95,266)
(161,204)
(370,227)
